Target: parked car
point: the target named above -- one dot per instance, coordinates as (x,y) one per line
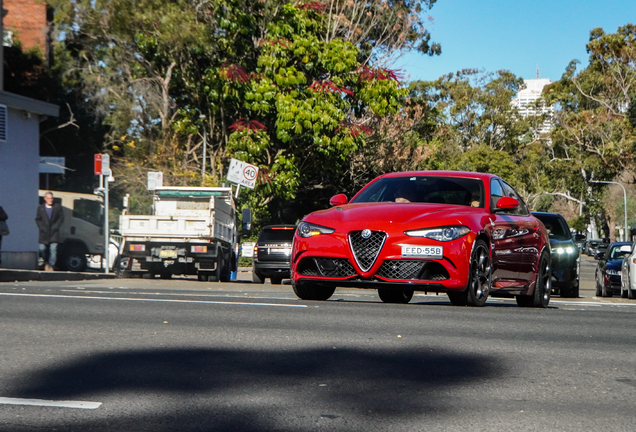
(579,241)
(468,235)
(628,275)
(599,250)
(590,246)
(608,269)
(272,253)
(566,258)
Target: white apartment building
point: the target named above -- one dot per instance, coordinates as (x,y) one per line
(525,102)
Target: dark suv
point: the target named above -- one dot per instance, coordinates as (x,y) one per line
(566,258)
(272,253)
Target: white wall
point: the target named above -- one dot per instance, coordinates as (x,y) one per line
(19,178)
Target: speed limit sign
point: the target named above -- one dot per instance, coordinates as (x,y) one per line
(242,173)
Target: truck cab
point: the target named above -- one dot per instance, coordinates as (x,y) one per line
(82,232)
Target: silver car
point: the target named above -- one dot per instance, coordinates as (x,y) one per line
(628,276)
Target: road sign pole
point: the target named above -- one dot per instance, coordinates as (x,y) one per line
(106,228)
(238,188)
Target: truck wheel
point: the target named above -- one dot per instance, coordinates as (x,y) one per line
(74,260)
(256,278)
(120,272)
(215,276)
(165,275)
(226,272)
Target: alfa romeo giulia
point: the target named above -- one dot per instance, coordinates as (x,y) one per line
(469,235)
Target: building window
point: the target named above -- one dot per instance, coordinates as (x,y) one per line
(7,38)
(3,123)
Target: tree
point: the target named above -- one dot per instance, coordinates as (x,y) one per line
(270,82)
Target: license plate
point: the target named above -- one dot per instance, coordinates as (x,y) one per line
(168,253)
(413,251)
(285,251)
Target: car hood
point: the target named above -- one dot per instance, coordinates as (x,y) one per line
(377,215)
(614,264)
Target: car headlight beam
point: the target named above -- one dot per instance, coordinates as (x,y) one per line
(444,234)
(563,250)
(306,229)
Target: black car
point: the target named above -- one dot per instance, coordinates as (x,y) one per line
(608,270)
(566,257)
(590,247)
(272,253)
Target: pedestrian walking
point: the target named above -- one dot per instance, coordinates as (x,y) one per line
(49,218)
(3,229)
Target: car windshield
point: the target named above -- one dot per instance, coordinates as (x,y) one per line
(555,224)
(277,235)
(424,189)
(617,254)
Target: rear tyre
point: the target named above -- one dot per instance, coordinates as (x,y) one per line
(276,280)
(165,275)
(480,279)
(257,278)
(313,291)
(631,294)
(458,299)
(226,272)
(605,292)
(599,291)
(395,295)
(623,292)
(215,276)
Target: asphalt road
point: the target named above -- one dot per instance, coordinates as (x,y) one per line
(181,355)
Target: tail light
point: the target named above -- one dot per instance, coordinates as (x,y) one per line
(199,249)
(137,247)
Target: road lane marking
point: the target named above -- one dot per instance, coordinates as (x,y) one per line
(154,300)
(247,296)
(49,403)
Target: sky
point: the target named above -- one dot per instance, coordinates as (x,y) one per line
(516,35)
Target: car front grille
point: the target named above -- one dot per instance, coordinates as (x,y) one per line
(327,267)
(366,250)
(413,270)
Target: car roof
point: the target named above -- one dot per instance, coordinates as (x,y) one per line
(467,174)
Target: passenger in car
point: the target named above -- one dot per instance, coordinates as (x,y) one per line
(403,195)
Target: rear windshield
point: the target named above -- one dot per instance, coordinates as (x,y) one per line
(277,235)
(557,227)
(424,189)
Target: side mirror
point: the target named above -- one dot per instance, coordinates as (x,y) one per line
(506,203)
(246,218)
(339,199)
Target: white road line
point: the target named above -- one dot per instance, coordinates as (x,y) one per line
(249,297)
(49,403)
(154,300)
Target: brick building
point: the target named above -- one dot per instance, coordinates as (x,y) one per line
(29,22)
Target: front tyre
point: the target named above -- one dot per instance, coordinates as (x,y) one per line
(480,278)
(313,291)
(543,286)
(396,295)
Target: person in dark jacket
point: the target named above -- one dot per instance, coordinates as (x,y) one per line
(49,218)
(3,217)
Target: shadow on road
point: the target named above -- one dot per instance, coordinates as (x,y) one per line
(217,390)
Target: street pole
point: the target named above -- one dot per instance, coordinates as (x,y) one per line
(205,136)
(106,228)
(624,202)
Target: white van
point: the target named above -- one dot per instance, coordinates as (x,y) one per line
(82,232)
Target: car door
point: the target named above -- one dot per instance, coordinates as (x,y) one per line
(527,237)
(503,233)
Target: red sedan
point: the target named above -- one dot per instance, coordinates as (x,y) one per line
(465,234)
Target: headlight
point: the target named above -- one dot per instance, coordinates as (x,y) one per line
(613,272)
(309,230)
(563,250)
(440,234)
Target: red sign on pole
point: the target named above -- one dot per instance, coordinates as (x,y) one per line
(98,164)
